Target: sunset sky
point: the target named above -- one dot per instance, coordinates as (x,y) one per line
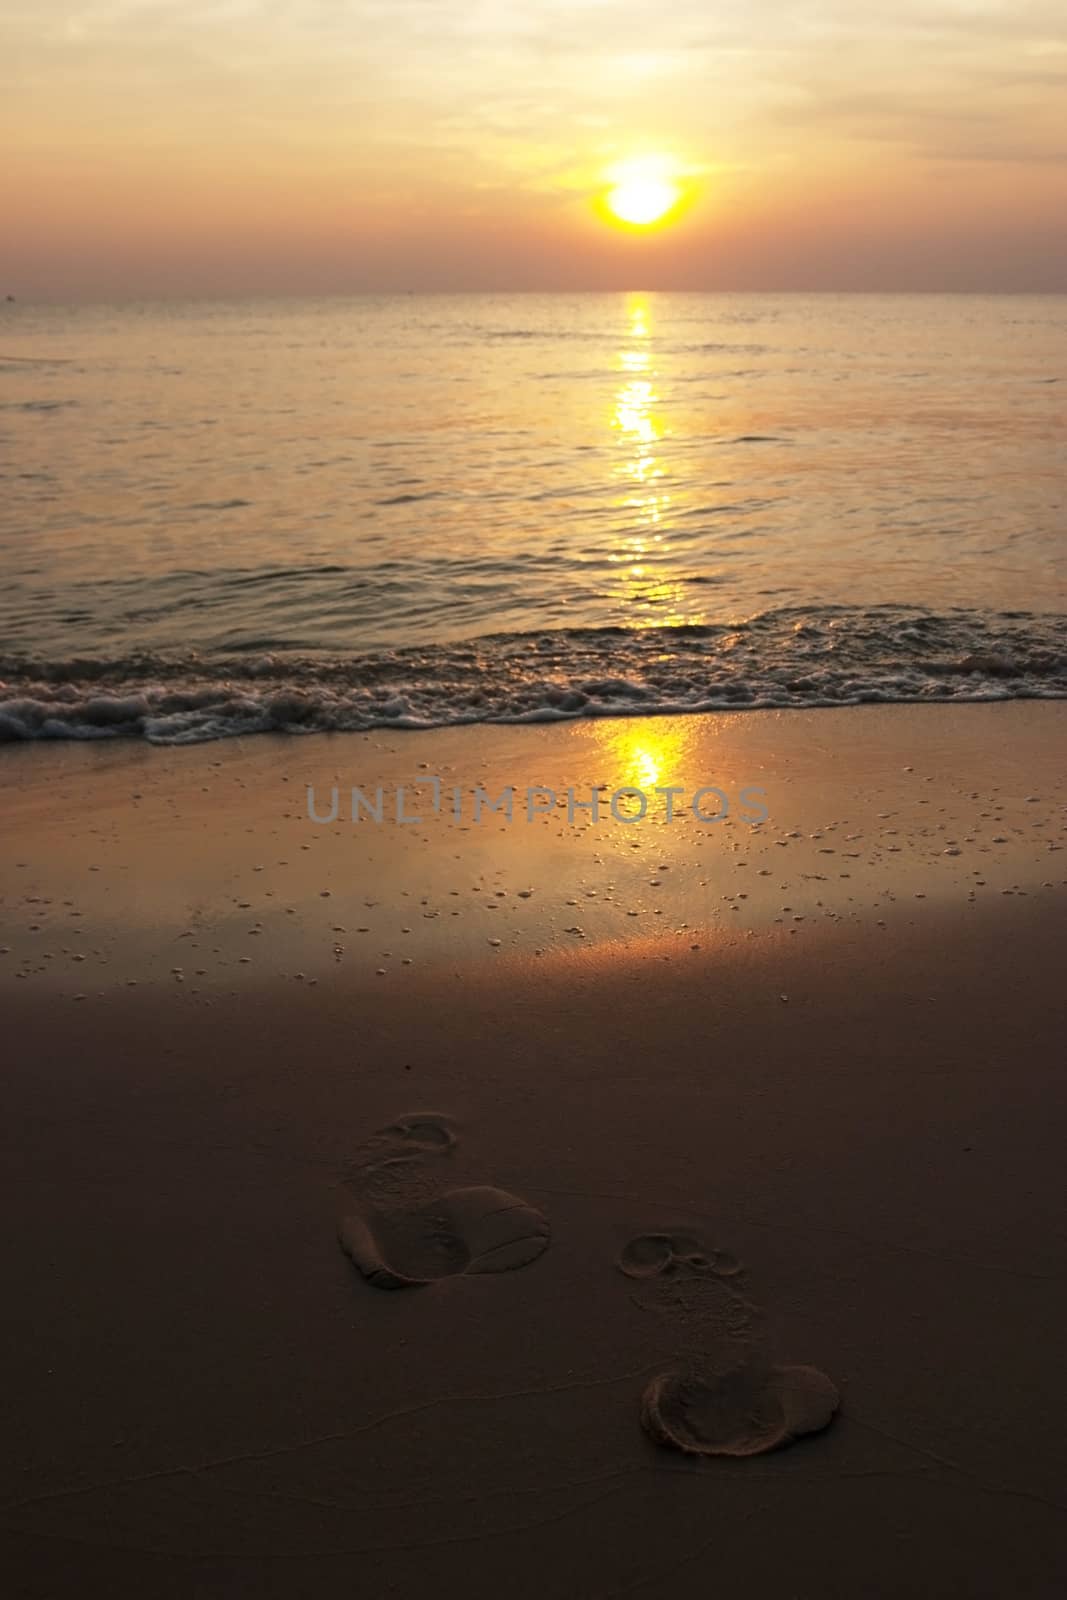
(171,146)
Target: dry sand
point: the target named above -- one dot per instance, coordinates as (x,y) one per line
(369,1186)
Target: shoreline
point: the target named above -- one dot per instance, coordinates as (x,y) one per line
(885,813)
(815,656)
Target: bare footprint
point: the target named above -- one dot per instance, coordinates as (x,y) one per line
(697,1288)
(400,1158)
(412,1228)
(651,1254)
(723,1397)
(744,1412)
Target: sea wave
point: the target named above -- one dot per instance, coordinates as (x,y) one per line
(792,657)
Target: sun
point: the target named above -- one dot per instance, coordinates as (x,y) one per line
(642,192)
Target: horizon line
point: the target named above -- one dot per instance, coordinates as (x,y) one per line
(9,299)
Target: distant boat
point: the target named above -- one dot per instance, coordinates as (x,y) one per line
(10,298)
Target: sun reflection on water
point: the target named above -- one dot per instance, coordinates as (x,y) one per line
(653,600)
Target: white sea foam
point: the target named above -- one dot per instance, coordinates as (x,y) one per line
(832,656)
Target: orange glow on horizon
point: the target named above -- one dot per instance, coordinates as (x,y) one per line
(148,157)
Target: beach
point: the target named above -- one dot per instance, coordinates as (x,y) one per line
(821,1053)
(533,877)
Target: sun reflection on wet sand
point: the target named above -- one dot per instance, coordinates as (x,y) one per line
(647,752)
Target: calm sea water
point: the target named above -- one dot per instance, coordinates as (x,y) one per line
(412,510)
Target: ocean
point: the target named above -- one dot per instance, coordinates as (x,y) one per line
(407,511)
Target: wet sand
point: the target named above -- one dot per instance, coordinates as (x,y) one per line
(394,1209)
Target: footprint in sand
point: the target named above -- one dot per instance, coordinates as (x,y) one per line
(413,1226)
(698,1289)
(652,1254)
(724,1397)
(753,1408)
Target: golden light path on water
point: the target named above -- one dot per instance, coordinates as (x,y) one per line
(651,601)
